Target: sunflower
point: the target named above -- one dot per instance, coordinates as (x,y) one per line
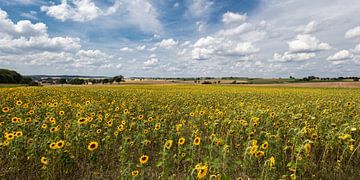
(116,133)
(192,114)
(19,102)
(135,173)
(144,159)
(147,143)
(61,113)
(314,136)
(202,171)
(260,154)
(307,148)
(272,114)
(265,145)
(5,109)
(197,141)
(126,111)
(168,144)
(140,117)
(6,143)
(202,112)
(44,126)
(272,161)
(157,126)
(81,121)
(30,141)
(92,146)
(19,134)
(44,160)
(14,120)
(9,136)
(98,131)
(109,123)
(181,141)
(60,144)
(28,120)
(52,145)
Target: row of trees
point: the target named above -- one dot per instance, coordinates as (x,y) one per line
(79,81)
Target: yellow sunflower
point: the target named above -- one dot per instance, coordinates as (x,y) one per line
(197,141)
(181,141)
(44,160)
(92,146)
(168,144)
(144,159)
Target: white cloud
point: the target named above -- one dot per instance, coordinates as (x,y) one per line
(289,57)
(91,54)
(76,10)
(307,43)
(236,31)
(353,33)
(201,53)
(26,44)
(230,17)
(168,43)
(201,26)
(152,61)
(141,47)
(21,28)
(126,49)
(340,56)
(357,49)
(143,14)
(199,8)
(309,28)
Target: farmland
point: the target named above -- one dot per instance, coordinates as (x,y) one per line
(179,132)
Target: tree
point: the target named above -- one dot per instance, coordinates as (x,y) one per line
(118,79)
(62,81)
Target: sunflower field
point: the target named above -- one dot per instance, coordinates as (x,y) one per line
(179,132)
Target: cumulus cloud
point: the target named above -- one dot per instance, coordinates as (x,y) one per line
(353,33)
(26,44)
(21,28)
(311,27)
(230,17)
(289,57)
(340,56)
(76,10)
(307,43)
(152,61)
(143,14)
(141,47)
(168,43)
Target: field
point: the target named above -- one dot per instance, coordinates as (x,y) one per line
(179,132)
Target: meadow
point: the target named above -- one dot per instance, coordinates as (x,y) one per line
(179,132)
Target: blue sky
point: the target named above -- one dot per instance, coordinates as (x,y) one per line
(181,38)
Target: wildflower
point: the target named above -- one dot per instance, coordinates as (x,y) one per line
(135,173)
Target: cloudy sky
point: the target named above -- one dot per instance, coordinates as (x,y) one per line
(181,38)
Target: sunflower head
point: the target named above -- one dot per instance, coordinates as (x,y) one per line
(44,160)
(197,141)
(144,159)
(93,145)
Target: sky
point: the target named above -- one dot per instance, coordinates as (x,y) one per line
(181,38)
